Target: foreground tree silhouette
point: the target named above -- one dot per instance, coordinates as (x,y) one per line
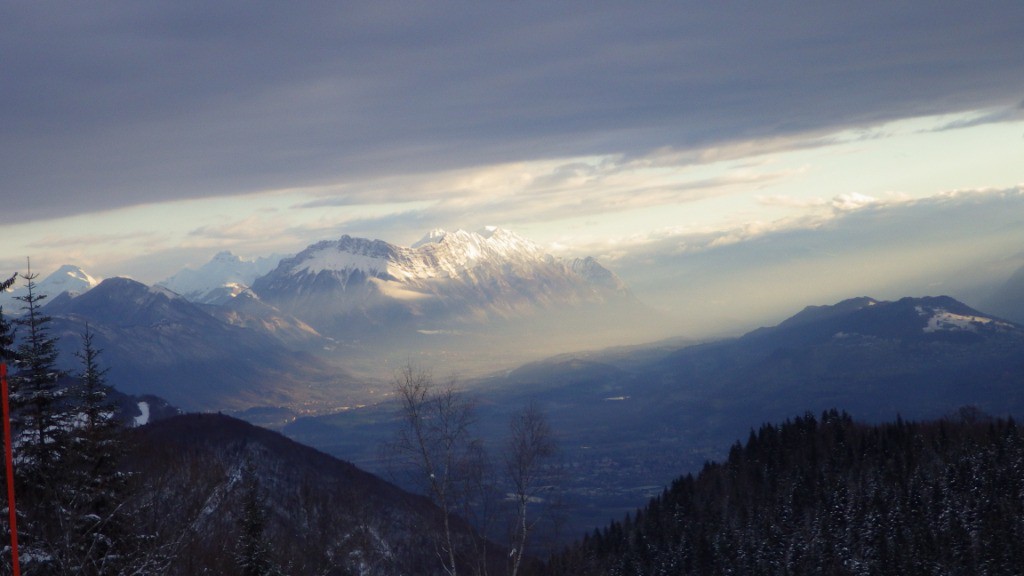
(437,443)
(6,329)
(528,457)
(93,499)
(40,424)
(436,440)
(253,554)
(68,443)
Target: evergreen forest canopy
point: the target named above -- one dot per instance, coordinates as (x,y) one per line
(830,496)
(68,442)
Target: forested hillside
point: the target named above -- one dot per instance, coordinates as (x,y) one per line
(221,496)
(831,496)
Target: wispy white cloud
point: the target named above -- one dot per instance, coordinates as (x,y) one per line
(980,118)
(53,240)
(887,249)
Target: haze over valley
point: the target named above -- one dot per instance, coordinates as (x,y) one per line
(519,288)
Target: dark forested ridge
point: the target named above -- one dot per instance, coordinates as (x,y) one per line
(221,495)
(831,496)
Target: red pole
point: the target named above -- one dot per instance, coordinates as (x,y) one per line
(11,508)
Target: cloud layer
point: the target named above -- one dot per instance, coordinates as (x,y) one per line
(123,103)
(960,243)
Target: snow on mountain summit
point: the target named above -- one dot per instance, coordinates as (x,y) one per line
(68,278)
(439,254)
(432,237)
(225,273)
(446,277)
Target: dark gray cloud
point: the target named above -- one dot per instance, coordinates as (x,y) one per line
(117,103)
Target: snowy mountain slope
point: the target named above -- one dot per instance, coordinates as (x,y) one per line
(222,277)
(157,342)
(245,309)
(68,278)
(445,280)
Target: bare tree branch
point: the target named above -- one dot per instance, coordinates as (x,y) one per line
(531,449)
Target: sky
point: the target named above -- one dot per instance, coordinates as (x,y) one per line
(732,162)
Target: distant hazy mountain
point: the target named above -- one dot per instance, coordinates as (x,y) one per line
(222,277)
(68,278)
(908,320)
(1008,300)
(446,281)
(244,308)
(157,342)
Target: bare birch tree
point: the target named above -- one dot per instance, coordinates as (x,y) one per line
(436,440)
(529,463)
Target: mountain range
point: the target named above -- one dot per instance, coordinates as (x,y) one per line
(157,342)
(328,325)
(220,279)
(300,340)
(68,279)
(445,282)
(203,339)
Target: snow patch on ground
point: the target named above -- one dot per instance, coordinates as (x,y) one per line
(143,418)
(945,320)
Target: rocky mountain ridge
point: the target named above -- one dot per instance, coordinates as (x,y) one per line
(445,280)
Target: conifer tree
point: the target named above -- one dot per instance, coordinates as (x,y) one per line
(253,554)
(6,329)
(7,353)
(35,393)
(39,428)
(96,488)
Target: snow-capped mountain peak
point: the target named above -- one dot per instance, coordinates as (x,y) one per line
(225,269)
(439,254)
(447,277)
(68,278)
(225,257)
(432,237)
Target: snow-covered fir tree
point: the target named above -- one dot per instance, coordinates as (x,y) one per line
(96,490)
(39,423)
